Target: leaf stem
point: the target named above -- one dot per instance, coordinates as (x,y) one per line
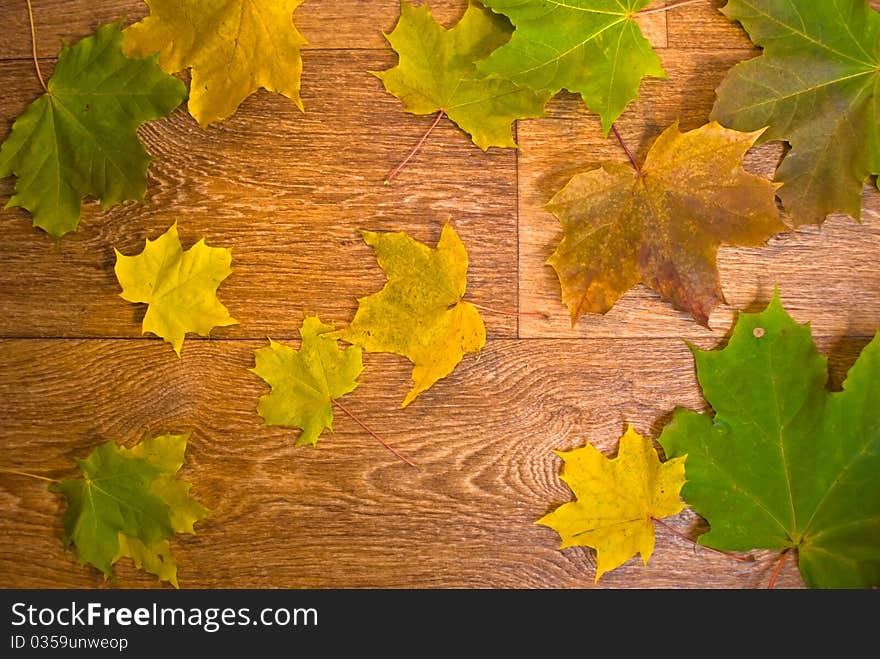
(394,172)
(629,154)
(533,314)
(34,46)
(743,559)
(16,472)
(372,432)
(682,3)
(778,569)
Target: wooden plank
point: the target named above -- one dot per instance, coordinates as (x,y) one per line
(342,25)
(325,25)
(348,513)
(703,25)
(654,27)
(839,294)
(288,192)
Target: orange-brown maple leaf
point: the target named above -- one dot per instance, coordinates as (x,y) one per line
(663,223)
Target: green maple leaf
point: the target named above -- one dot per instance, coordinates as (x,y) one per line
(179,287)
(815,86)
(128,503)
(591,47)
(437,71)
(80,137)
(419,313)
(306,382)
(785,464)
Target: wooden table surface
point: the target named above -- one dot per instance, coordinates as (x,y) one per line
(288,193)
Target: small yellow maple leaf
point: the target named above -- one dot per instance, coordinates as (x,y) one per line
(616,500)
(306,382)
(179,287)
(234,47)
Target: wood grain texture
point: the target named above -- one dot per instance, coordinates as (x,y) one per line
(346,25)
(348,513)
(288,192)
(702,25)
(810,267)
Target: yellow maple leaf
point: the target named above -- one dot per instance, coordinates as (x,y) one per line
(234,47)
(419,313)
(616,500)
(179,287)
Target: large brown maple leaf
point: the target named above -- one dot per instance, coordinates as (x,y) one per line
(661,223)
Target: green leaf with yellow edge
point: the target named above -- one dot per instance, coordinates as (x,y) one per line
(594,48)
(80,137)
(662,224)
(128,503)
(816,86)
(437,71)
(179,287)
(782,462)
(234,48)
(419,313)
(306,382)
(616,500)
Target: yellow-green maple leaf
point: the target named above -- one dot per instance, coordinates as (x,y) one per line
(419,313)
(179,287)
(234,48)
(128,503)
(437,71)
(306,382)
(616,500)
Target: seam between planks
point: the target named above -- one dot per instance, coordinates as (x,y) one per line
(516,224)
(500,339)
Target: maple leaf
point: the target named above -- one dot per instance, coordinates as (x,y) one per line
(784,463)
(816,87)
(661,224)
(80,137)
(234,48)
(616,500)
(179,287)
(437,71)
(306,382)
(419,313)
(128,503)
(591,47)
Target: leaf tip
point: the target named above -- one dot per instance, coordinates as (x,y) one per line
(756,134)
